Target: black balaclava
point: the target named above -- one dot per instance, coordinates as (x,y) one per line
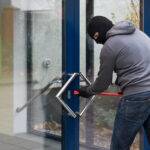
(101,25)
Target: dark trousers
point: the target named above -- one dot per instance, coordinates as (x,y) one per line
(133,113)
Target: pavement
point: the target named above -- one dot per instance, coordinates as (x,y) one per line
(27,142)
(32,142)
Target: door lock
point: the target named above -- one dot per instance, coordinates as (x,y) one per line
(46,63)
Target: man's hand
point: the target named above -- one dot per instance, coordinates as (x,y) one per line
(83,92)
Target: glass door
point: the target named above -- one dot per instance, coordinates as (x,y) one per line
(30,74)
(97,123)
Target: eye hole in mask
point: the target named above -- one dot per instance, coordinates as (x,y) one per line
(96,37)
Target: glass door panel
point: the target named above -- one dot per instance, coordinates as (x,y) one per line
(97,123)
(47,68)
(30,73)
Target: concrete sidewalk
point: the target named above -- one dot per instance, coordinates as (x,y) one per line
(25,143)
(31,142)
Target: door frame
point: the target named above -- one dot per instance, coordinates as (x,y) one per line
(146,27)
(71,47)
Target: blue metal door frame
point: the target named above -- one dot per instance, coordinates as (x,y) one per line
(147,17)
(70,126)
(147,31)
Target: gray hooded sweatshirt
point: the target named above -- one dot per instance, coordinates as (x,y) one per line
(127,52)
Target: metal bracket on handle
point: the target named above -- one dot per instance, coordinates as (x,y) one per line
(58,96)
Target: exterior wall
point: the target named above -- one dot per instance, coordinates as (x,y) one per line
(6,80)
(12,71)
(19,71)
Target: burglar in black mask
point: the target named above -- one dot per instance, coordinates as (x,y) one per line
(126,51)
(98,28)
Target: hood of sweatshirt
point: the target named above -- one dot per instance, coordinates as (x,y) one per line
(121,28)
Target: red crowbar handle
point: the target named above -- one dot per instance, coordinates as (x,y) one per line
(76,92)
(110,94)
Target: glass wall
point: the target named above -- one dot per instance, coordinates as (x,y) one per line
(97,124)
(30,73)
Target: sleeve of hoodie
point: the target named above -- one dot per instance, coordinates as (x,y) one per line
(104,78)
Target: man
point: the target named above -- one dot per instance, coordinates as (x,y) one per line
(126,51)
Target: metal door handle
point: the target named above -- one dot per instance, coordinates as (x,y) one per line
(58,96)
